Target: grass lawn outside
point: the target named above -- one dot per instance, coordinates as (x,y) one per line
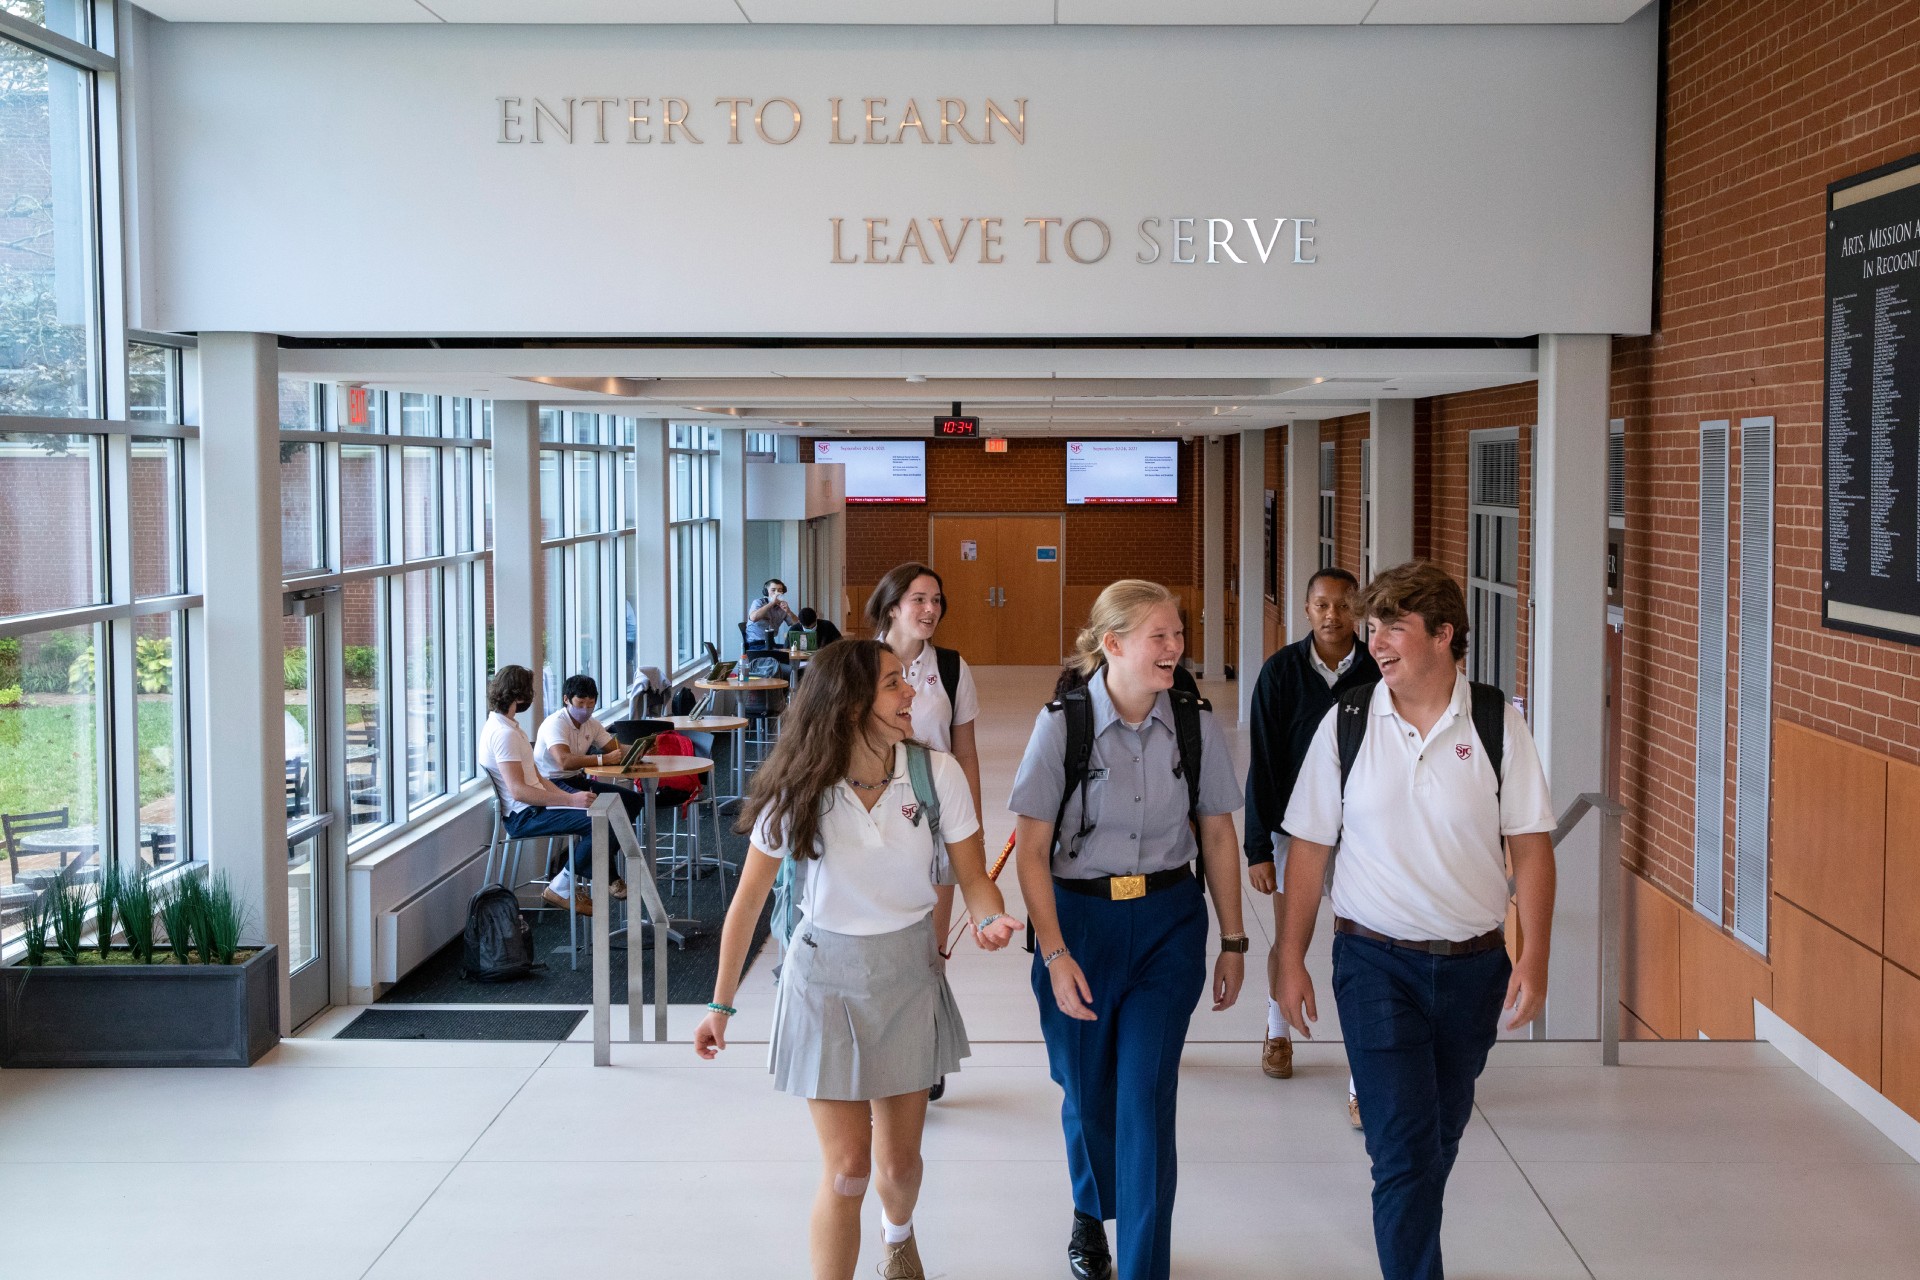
(48,756)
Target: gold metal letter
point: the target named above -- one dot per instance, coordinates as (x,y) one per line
(635,120)
(873,120)
(876,243)
(951,248)
(836,139)
(508,120)
(600,116)
(733,117)
(760,128)
(837,257)
(542,109)
(988,239)
(669,121)
(912,240)
(954,122)
(912,120)
(1019,131)
(1106,239)
(1042,223)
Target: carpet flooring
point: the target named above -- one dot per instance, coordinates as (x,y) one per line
(462,1024)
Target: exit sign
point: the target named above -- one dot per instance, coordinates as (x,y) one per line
(996,444)
(956,428)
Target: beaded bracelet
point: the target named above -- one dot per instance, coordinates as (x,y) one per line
(717,1007)
(1046,961)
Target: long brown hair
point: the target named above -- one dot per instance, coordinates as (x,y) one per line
(828,713)
(893,588)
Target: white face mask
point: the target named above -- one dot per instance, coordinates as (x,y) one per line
(579,714)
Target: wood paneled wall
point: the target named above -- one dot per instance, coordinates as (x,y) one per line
(1680,976)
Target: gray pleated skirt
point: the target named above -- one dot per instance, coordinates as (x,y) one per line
(863,1017)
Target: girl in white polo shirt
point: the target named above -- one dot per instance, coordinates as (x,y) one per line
(905,609)
(864,1022)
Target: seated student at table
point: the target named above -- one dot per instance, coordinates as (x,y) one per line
(819,632)
(535,806)
(768,615)
(571,741)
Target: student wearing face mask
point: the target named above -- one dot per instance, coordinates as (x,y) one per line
(904,611)
(569,742)
(1112,810)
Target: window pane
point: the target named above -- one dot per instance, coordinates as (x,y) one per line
(550,425)
(363,497)
(462,496)
(459,417)
(47,296)
(297,401)
(551,513)
(586,492)
(50,522)
(630,609)
(486,420)
(420,501)
(376,413)
(153,383)
(465,716)
(425,778)
(154,493)
(62,17)
(629,481)
(555,628)
(49,757)
(296,646)
(303,922)
(419,415)
(161,737)
(487,506)
(363,681)
(302,547)
(585,428)
(586,613)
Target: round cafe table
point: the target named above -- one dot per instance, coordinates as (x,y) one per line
(764,684)
(732,725)
(646,772)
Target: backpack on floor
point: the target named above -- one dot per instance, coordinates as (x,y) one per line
(499,941)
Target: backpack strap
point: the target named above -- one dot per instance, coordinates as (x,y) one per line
(948,661)
(1490,722)
(1189,740)
(1077,707)
(1350,729)
(920,774)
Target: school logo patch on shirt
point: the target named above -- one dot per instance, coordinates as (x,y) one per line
(1464,751)
(912,812)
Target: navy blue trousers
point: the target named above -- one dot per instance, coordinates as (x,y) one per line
(1418,1028)
(1146,962)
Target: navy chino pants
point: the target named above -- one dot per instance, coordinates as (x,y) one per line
(1418,1028)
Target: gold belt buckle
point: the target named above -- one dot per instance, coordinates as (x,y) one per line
(1121,888)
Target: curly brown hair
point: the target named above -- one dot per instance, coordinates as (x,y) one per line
(1417,587)
(829,712)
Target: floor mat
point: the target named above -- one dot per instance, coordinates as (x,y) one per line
(462,1024)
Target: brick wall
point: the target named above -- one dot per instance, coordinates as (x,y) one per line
(1765,106)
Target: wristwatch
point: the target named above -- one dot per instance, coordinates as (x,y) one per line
(1234,942)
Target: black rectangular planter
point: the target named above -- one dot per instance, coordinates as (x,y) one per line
(154,1015)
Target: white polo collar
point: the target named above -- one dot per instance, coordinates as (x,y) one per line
(1456,706)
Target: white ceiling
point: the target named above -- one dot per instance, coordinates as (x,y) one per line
(890,391)
(909,12)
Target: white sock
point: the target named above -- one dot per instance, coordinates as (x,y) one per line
(562,884)
(1276,1021)
(895,1234)
(1351,1091)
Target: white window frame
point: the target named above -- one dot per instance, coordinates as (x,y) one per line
(1491,598)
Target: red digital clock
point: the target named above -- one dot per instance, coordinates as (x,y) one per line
(956,427)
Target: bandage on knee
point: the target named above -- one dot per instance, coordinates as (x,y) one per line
(853,1188)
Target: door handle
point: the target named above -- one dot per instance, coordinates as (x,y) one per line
(990,591)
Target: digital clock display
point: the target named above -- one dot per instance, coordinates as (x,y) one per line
(956,427)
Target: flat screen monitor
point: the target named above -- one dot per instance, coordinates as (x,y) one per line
(1123,471)
(879,470)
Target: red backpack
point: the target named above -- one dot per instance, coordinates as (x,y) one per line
(678,790)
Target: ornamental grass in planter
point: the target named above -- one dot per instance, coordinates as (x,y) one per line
(203,1001)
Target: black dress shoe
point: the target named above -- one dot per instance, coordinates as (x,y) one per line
(1087,1255)
(938,1091)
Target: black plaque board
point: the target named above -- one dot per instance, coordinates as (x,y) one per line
(1870,535)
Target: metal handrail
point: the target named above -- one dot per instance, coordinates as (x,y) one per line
(1611,813)
(610,823)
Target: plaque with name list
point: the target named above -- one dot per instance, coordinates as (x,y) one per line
(1870,443)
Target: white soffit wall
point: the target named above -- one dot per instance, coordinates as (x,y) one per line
(907,12)
(350,180)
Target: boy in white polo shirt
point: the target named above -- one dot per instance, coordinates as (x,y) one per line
(1420,967)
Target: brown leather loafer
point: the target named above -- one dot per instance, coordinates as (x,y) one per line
(582,902)
(1353,1112)
(1276,1058)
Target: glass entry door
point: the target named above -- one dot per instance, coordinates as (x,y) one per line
(311,824)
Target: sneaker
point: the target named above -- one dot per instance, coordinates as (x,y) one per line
(1276,1057)
(582,903)
(901,1261)
(1353,1112)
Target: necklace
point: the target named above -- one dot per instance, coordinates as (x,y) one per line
(881,785)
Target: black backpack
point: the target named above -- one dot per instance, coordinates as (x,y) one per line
(1489,722)
(499,941)
(948,663)
(1073,701)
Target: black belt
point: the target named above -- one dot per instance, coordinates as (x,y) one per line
(1120,888)
(1472,946)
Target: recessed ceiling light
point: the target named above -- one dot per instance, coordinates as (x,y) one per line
(916,377)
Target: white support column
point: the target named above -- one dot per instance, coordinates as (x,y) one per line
(1213,558)
(246,812)
(734,590)
(1391,508)
(653,634)
(1252,643)
(1569,640)
(1302,551)
(519,600)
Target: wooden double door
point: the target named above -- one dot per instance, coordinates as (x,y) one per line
(1003,580)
